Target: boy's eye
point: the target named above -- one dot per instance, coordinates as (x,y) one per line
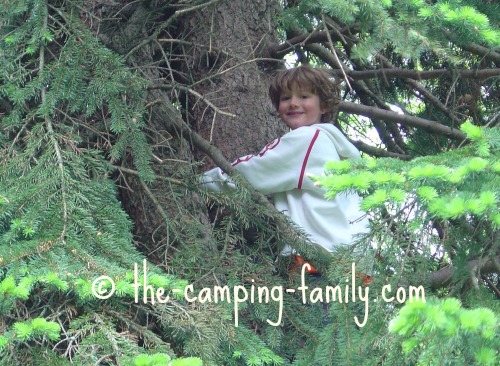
(284,97)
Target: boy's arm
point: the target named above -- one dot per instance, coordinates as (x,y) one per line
(279,167)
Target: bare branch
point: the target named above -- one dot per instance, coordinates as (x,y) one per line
(443,277)
(423,93)
(205,100)
(491,285)
(418,75)
(380,153)
(280,51)
(332,47)
(412,121)
(317,37)
(136,173)
(166,24)
(487,53)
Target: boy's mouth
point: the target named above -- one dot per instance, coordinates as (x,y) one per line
(294,113)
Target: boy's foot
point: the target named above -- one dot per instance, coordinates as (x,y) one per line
(297,262)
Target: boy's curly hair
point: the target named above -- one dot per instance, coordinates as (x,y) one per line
(306,78)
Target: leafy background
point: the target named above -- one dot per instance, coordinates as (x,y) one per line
(108,113)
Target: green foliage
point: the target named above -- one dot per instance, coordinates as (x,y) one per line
(253,351)
(447,186)
(37,328)
(40,328)
(71,108)
(442,332)
(443,206)
(85,290)
(85,79)
(410,27)
(160,359)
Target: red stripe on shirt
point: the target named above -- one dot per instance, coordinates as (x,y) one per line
(268,147)
(304,163)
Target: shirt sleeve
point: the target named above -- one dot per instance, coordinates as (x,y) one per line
(281,166)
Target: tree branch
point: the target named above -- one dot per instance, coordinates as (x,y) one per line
(360,87)
(423,93)
(418,75)
(417,122)
(279,51)
(443,277)
(487,53)
(136,173)
(380,153)
(196,94)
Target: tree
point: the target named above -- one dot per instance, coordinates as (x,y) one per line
(111,108)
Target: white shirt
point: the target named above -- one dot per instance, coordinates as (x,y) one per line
(281,169)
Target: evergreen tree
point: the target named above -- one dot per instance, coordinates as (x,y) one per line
(108,113)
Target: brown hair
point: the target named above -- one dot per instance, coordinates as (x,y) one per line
(306,78)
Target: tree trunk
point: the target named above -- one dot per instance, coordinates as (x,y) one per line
(159,221)
(230,38)
(223,95)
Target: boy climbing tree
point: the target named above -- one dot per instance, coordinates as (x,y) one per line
(306,99)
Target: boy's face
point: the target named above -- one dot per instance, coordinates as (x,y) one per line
(300,108)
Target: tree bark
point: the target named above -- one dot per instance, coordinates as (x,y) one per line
(159,220)
(231,37)
(213,68)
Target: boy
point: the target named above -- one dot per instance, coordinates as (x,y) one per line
(305,99)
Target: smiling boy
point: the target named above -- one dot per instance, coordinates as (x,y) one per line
(306,100)
(299,108)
